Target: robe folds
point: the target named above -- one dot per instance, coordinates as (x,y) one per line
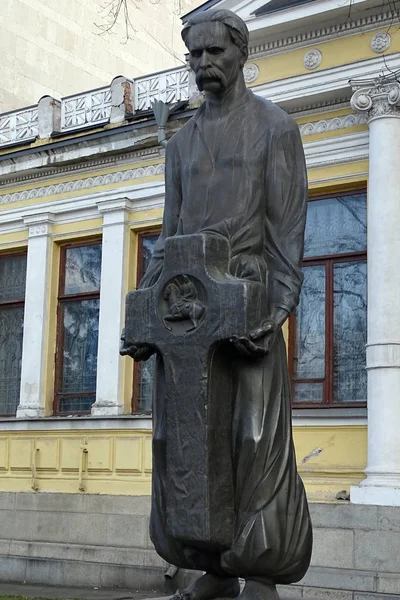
(244,178)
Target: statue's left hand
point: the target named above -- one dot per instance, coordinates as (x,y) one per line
(259,341)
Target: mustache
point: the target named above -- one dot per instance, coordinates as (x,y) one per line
(210,73)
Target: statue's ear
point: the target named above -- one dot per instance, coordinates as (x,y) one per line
(244,55)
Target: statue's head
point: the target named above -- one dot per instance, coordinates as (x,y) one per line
(217,41)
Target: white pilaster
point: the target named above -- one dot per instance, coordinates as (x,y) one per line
(109,388)
(381,99)
(33,371)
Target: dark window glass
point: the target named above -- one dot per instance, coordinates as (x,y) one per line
(336,226)
(78,328)
(82,269)
(143,375)
(349,331)
(328,331)
(12,296)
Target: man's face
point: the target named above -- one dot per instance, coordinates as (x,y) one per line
(214,58)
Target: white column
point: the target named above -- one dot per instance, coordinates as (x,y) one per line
(33,371)
(109,387)
(381,99)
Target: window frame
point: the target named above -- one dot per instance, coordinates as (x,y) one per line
(15,304)
(62,299)
(137,366)
(328,261)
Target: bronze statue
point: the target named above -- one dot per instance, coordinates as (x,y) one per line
(225,275)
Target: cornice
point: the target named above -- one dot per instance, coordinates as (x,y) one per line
(324,34)
(82,184)
(321,85)
(333,124)
(87,166)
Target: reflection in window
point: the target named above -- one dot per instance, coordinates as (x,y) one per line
(78,328)
(12,296)
(336,226)
(328,332)
(349,331)
(144,371)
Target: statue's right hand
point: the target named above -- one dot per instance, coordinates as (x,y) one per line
(138,353)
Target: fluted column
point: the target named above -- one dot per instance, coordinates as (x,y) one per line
(380,99)
(110,366)
(33,371)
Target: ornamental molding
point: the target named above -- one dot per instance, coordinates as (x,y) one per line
(87,166)
(333,124)
(83,184)
(39,224)
(381,41)
(378,98)
(299,88)
(250,72)
(312,59)
(338,150)
(325,34)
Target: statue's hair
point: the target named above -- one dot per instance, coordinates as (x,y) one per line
(236,26)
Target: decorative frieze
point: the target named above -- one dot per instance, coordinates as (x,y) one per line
(376,98)
(381,41)
(83,184)
(312,59)
(325,34)
(251,72)
(333,124)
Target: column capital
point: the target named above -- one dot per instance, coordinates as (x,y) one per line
(39,225)
(114,205)
(376,97)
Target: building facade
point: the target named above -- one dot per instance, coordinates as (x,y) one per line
(81,204)
(57,48)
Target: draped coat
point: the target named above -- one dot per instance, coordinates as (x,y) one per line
(244,178)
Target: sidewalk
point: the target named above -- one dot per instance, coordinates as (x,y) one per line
(52,592)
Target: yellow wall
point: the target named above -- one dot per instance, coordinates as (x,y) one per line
(108,462)
(119,461)
(343,51)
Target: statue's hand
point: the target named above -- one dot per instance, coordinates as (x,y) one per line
(259,341)
(138,353)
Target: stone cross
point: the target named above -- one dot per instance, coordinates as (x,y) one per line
(194,308)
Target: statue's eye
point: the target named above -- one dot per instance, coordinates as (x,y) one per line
(215,50)
(196,53)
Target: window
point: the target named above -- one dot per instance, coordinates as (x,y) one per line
(78,328)
(327,334)
(12,296)
(143,372)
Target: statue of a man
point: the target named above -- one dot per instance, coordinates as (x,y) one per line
(237,169)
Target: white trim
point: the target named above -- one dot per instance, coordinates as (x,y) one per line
(144,196)
(129,422)
(338,150)
(319,83)
(135,422)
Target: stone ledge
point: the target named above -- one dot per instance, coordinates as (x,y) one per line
(74,573)
(111,555)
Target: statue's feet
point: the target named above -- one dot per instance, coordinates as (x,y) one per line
(255,590)
(210,587)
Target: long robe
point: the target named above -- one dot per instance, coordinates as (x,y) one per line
(244,179)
